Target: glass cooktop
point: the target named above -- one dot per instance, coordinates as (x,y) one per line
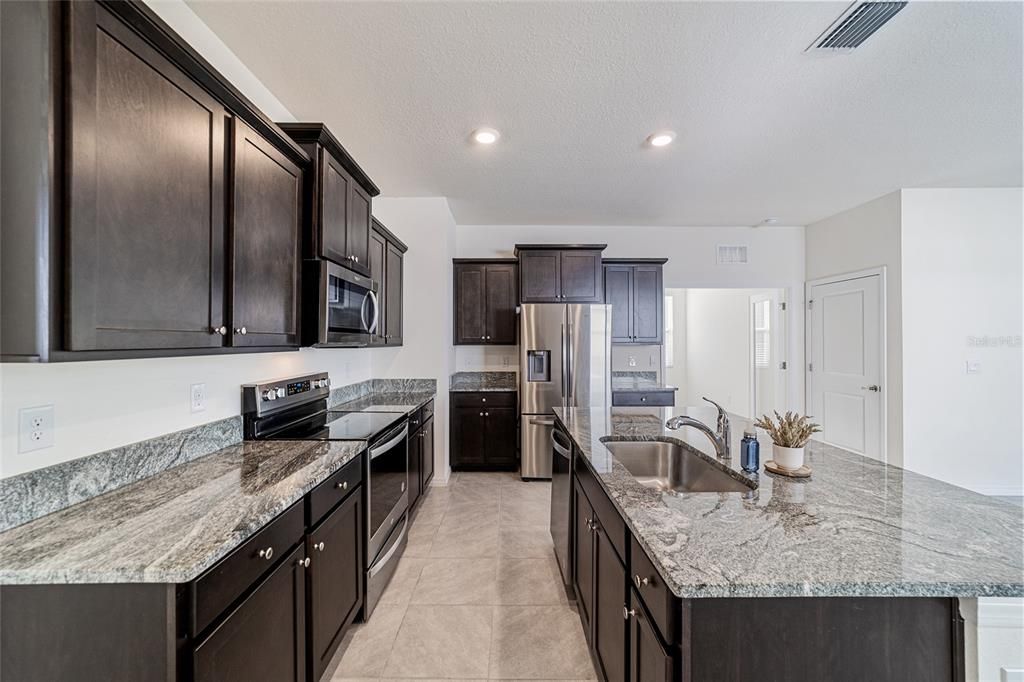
(340,426)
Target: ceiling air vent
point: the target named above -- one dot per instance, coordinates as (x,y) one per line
(855,25)
(732,255)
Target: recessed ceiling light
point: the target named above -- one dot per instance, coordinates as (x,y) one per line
(661,139)
(486,135)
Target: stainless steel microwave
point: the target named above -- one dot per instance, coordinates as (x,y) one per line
(341,306)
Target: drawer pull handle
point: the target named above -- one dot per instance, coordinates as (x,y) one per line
(640,582)
(267,553)
(627,613)
(320,547)
(342,485)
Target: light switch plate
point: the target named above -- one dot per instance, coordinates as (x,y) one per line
(35,428)
(973,367)
(197,397)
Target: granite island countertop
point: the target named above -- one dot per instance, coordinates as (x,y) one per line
(479,382)
(172,526)
(857,527)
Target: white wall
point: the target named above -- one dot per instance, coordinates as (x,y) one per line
(426,226)
(868,236)
(718,348)
(962,278)
(776,257)
(676,374)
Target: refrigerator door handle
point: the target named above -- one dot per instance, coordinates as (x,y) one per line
(565,367)
(570,369)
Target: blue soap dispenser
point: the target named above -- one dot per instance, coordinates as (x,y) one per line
(750,452)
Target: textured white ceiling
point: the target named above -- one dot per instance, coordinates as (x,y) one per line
(933,99)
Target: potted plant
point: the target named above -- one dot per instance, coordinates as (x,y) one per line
(789,434)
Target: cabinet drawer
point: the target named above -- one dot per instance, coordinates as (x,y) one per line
(336,488)
(491,398)
(655,594)
(607,515)
(426,412)
(228,579)
(644,399)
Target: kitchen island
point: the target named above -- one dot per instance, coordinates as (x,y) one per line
(853,573)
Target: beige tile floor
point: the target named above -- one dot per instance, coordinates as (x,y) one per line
(476,596)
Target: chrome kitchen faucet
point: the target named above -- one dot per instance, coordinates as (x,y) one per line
(720,438)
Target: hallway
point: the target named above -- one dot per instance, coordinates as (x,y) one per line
(476,595)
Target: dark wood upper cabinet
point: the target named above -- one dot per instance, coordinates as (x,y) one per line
(335,579)
(338,200)
(148,188)
(486,297)
(146,195)
(560,273)
(394,281)
(266,220)
(635,290)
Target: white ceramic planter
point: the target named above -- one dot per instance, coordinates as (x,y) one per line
(788,458)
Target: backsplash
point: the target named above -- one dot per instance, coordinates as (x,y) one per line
(28,496)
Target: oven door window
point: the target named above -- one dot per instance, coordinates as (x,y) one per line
(389,478)
(349,306)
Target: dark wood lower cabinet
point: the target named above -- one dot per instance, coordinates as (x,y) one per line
(583,558)
(484,431)
(335,580)
(610,599)
(649,659)
(427,459)
(415,467)
(263,639)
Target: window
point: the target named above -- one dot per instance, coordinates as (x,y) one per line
(669,324)
(762,334)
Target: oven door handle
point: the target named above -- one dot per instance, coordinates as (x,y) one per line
(383,561)
(381,449)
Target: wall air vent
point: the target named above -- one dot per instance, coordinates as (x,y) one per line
(855,25)
(732,255)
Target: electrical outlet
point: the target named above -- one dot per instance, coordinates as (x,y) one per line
(504,361)
(35,428)
(632,361)
(973,367)
(197,397)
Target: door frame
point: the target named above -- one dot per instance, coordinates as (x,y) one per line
(881,272)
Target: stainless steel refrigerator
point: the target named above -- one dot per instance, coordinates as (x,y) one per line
(564,361)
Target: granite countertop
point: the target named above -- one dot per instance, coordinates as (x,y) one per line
(639,383)
(856,527)
(477,382)
(172,526)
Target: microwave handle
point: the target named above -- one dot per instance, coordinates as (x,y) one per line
(376,311)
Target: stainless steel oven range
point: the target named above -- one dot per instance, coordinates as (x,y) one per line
(296,409)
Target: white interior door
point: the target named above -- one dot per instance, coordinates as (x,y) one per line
(844,376)
(768,359)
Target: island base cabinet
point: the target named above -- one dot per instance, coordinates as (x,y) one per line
(649,660)
(263,640)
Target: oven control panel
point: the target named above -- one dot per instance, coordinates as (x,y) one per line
(268,396)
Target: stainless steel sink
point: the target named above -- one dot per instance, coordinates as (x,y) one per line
(667,466)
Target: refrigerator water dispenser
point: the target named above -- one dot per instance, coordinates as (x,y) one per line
(538,365)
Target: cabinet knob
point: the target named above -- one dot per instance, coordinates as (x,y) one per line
(303,563)
(222,330)
(481,414)
(267,553)
(483,400)
(242,330)
(628,613)
(643,399)
(341,485)
(319,546)
(487,414)
(640,582)
(482,338)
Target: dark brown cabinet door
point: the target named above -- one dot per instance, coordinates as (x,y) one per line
(335,191)
(583,558)
(266,219)
(648,304)
(610,598)
(649,662)
(500,303)
(502,434)
(378,256)
(470,304)
(539,278)
(467,437)
(358,233)
(335,579)
(146,197)
(415,467)
(264,638)
(618,293)
(393,290)
(582,276)
(428,453)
